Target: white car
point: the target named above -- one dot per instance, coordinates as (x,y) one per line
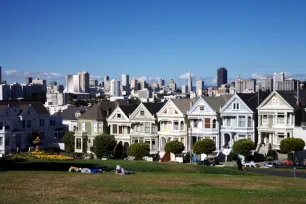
(251,164)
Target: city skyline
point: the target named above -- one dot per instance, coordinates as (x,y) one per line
(152,39)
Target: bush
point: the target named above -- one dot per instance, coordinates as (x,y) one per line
(139,150)
(205,146)
(243,146)
(174,147)
(232,156)
(104,145)
(272,154)
(289,145)
(69,141)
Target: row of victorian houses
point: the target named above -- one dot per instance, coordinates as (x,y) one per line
(266,118)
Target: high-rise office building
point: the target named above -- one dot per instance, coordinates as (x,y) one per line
(39,81)
(28,80)
(161,82)
(143,84)
(267,84)
(189,82)
(93,82)
(243,86)
(184,89)
(134,84)
(278,77)
(199,87)
(172,85)
(84,82)
(221,76)
(115,88)
(125,80)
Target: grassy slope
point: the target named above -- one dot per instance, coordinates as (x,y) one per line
(158,187)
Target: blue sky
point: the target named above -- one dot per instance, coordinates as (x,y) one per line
(149,39)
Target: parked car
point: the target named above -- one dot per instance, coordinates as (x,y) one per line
(286,164)
(251,165)
(211,161)
(299,163)
(269,164)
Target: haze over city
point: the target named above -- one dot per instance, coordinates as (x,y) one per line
(252,39)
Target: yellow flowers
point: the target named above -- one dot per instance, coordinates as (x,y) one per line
(42,156)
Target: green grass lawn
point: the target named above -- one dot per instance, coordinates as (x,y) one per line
(147,187)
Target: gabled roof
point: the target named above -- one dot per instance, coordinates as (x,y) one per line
(93,113)
(184,104)
(128,109)
(69,113)
(251,99)
(216,102)
(23,104)
(153,108)
(291,98)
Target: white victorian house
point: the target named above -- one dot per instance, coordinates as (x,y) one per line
(120,124)
(173,121)
(205,120)
(145,126)
(277,116)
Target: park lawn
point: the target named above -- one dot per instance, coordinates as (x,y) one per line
(147,187)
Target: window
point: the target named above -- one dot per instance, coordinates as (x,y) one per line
(214,139)
(7,141)
(7,127)
(171,111)
(52,122)
(265,119)
(214,123)
(195,123)
(137,128)
(100,125)
(1,141)
(182,125)
(249,121)
(41,122)
(281,136)
(242,136)
(128,130)
(1,125)
(228,121)
(153,144)
(207,123)
(78,143)
(120,129)
(241,121)
(201,108)
(115,129)
(118,115)
(23,124)
(154,128)
(280,119)
(147,127)
(288,134)
(141,113)
(175,125)
(29,123)
(236,106)
(83,126)
(95,127)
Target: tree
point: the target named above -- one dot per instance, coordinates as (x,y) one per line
(119,150)
(139,150)
(104,145)
(205,146)
(290,145)
(174,147)
(69,140)
(243,146)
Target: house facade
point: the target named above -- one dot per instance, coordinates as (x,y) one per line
(173,122)
(204,119)
(144,125)
(18,121)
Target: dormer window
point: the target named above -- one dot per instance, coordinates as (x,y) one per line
(201,108)
(236,106)
(141,113)
(118,115)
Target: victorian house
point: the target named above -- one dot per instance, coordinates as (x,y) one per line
(239,118)
(280,115)
(19,119)
(173,121)
(145,125)
(205,120)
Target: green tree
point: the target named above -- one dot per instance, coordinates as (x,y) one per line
(69,140)
(205,146)
(139,150)
(290,145)
(119,150)
(104,145)
(243,146)
(174,147)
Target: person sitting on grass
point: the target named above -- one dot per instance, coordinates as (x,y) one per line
(121,171)
(85,170)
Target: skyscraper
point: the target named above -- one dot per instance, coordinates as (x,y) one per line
(221,76)
(28,80)
(189,82)
(172,85)
(115,88)
(267,84)
(125,80)
(184,89)
(199,87)
(134,84)
(84,81)
(161,82)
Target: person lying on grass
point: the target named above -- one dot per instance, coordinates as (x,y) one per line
(85,170)
(121,171)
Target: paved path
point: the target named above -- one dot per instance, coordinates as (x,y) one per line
(277,173)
